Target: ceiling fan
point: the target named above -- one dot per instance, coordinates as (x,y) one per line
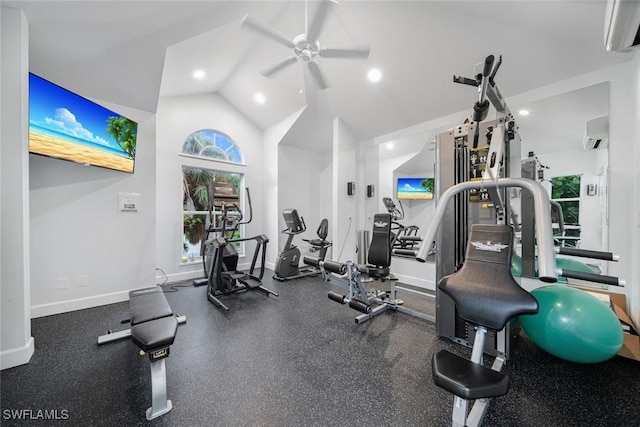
(305,46)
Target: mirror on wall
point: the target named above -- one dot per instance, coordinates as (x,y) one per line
(553,130)
(568,135)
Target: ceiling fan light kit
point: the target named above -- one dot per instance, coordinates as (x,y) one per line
(305,46)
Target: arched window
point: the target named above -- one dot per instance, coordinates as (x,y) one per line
(206,144)
(211,144)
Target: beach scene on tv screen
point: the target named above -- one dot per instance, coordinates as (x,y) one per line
(415,188)
(67,126)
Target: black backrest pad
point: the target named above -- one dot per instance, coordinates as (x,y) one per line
(148,304)
(484,290)
(380,250)
(323,229)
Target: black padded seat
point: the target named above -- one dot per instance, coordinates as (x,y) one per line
(467,379)
(485,294)
(484,291)
(148,304)
(160,333)
(322,232)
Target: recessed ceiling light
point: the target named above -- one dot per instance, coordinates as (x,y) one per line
(260,98)
(199,74)
(523,112)
(374,75)
(390,146)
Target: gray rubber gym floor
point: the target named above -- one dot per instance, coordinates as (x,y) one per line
(294,360)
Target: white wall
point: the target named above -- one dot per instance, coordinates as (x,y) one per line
(301,187)
(16,343)
(345,148)
(177,118)
(270,184)
(77,229)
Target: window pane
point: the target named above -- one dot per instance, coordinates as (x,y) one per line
(571,212)
(564,187)
(195,201)
(211,144)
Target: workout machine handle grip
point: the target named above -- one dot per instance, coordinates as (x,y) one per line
(488,65)
(591,277)
(585,253)
(544,234)
(481,108)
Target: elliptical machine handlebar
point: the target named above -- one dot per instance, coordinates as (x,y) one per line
(396,214)
(238,221)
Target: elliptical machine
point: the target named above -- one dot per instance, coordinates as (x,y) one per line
(406,241)
(221,256)
(287,263)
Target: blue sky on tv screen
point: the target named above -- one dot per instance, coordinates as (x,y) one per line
(411,185)
(59,112)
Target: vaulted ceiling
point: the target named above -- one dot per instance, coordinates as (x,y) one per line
(134,52)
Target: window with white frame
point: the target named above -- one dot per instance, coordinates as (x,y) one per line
(196,179)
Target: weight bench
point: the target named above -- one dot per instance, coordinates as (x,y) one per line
(153,330)
(486,296)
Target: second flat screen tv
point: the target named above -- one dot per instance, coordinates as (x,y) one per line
(415,189)
(67,126)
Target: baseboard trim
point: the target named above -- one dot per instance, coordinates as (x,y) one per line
(179,277)
(17,356)
(198,274)
(78,304)
(416,281)
(58,307)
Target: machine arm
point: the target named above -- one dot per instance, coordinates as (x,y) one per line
(544,234)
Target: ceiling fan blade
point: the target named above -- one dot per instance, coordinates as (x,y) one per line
(279,66)
(344,53)
(261,28)
(317,75)
(318,20)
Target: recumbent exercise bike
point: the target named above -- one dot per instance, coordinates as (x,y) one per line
(287,263)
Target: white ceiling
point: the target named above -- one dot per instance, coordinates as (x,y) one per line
(133,52)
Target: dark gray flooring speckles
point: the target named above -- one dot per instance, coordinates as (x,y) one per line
(294,360)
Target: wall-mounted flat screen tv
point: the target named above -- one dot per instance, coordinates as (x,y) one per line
(415,188)
(67,126)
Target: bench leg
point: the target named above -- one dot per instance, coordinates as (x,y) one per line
(160,405)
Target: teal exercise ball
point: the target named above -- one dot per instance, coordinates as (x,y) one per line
(572,264)
(573,325)
(516,266)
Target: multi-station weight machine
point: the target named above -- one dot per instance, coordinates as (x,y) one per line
(478,151)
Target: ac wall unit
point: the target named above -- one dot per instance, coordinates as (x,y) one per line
(596,133)
(622,25)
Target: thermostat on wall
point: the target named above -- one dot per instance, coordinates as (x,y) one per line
(128,202)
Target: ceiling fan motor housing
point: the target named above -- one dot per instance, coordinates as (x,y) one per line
(305,49)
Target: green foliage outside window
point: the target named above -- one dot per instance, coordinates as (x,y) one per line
(195,190)
(566,191)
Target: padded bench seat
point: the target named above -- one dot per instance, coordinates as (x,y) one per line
(155,334)
(148,304)
(153,330)
(467,379)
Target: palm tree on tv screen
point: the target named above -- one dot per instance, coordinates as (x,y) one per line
(123,131)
